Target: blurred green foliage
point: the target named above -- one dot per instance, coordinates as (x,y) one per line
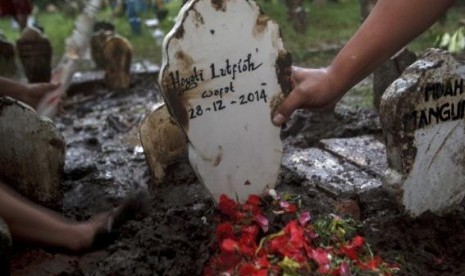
(330,25)
(454,42)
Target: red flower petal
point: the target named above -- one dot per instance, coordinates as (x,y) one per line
(357,242)
(296,234)
(262,262)
(228,206)
(247,245)
(254,200)
(320,256)
(277,244)
(291,209)
(224,231)
(339,271)
(229,245)
(250,270)
(227,262)
(370,265)
(251,230)
(351,249)
(288,207)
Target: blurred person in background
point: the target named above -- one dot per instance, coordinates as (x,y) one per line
(18,9)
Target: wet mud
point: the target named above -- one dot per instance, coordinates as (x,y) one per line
(105,163)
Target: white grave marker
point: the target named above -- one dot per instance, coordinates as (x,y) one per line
(224,71)
(423,118)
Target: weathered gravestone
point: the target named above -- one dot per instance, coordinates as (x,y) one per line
(163,141)
(389,71)
(7,57)
(297,14)
(423,118)
(32,153)
(35,53)
(117,53)
(102,32)
(224,71)
(112,53)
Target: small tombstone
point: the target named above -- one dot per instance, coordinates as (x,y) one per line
(103,26)
(389,71)
(32,153)
(112,53)
(97,44)
(423,119)
(163,141)
(77,46)
(7,57)
(71,8)
(298,15)
(223,72)
(35,53)
(162,12)
(117,53)
(103,31)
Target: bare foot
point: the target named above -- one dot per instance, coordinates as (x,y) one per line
(99,231)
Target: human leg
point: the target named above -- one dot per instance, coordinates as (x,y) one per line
(5,248)
(35,224)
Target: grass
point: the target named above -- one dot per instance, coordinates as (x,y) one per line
(330,25)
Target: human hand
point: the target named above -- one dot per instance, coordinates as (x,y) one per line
(34,92)
(312,89)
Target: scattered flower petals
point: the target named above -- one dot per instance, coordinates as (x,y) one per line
(288,207)
(325,247)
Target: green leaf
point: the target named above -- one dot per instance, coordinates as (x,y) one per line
(289,266)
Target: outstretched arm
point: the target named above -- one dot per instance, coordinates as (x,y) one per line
(30,94)
(390,26)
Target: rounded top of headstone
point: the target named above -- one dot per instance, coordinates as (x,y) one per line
(103,26)
(31,33)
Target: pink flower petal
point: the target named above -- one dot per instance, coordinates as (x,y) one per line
(262,221)
(304,218)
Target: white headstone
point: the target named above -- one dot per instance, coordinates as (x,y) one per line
(423,118)
(224,71)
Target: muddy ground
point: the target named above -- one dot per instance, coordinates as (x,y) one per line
(105,163)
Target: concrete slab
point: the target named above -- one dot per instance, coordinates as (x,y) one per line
(365,152)
(329,172)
